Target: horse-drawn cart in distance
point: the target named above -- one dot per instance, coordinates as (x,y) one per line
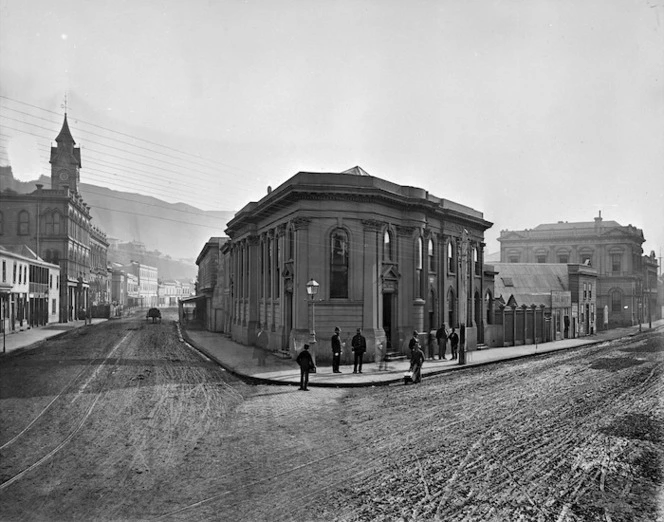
(153,313)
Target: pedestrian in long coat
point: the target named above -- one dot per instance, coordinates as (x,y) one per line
(416,361)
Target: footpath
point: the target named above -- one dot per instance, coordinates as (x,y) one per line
(243,362)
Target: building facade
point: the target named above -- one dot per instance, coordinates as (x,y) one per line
(541,302)
(29,289)
(210,264)
(56,224)
(613,250)
(388,259)
(147,284)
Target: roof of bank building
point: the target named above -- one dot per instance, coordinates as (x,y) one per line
(351,183)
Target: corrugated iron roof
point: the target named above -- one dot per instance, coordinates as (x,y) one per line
(530,283)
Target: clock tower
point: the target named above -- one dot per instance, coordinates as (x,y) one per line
(65,161)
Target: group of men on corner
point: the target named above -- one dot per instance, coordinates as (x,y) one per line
(359,344)
(306,363)
(441,340)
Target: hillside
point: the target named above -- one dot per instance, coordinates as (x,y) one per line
(176,230)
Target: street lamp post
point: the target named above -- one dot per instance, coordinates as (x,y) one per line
(312,291)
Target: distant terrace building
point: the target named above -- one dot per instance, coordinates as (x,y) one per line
(147,281)
(208,307)
(29,293)
(614,250)
(389,259)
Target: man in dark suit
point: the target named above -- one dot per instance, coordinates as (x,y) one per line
(336,350)
(306,363)
(359,347)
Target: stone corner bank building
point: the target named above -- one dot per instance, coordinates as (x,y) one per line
(388,259)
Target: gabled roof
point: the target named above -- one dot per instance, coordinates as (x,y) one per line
(530,283)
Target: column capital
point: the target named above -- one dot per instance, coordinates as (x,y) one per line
(300,223)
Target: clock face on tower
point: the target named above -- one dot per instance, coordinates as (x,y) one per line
(63,175)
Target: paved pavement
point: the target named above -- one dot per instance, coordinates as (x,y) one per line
(241,360)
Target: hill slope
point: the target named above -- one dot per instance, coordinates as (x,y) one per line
(174,229)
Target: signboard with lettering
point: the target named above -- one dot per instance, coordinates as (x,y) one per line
(561,299)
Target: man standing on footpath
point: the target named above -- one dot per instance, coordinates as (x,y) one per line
(336,350)
(454,341)
(441,339)
(359,344)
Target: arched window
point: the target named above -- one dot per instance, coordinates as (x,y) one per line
(339,264)
(616,301)
(430,254)
(478,309)
(387,246)
(451,257)
(23,223)
(488,301)
(476,261)
(451,308)
(419,246)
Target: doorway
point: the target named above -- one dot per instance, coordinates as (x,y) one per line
(288,319)
(387,318)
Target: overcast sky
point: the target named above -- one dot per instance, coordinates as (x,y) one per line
(528,111)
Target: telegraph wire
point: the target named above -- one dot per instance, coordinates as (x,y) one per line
(157,188)
(211,176)
(131,136)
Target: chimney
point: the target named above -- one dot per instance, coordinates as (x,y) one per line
(598,221)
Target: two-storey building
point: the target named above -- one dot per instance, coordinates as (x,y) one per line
(615,251)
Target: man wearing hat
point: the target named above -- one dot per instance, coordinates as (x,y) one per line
(336,350)
(414,341)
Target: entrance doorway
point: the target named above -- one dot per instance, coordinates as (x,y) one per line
(288,319)
(387,319)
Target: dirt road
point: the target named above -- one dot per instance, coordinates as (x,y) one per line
(122,421)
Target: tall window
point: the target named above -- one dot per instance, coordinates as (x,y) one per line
(488,298)
(339,264)
(277,272)
(541,258)
(23,223)
(56,223)
(563,258)
(269,267)
(419,246)
(476,261)
(430,254)
(291,243)
(387,246)
(616,301)
(616,263)
(451,308)
(451,257)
